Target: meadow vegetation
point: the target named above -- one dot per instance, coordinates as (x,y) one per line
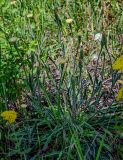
(61,80)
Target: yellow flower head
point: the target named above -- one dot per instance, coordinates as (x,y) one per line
(120,95)
(69,20)
(118,64)
(10,116)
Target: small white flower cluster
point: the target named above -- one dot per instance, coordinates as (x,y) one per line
(98,37)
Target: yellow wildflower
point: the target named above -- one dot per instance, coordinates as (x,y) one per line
(69,20)
(118,64)
(10,116)
(120,95)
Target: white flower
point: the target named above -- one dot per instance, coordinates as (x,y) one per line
(30,15)
(94,57)
(13,39)
(13,2)
(98,37)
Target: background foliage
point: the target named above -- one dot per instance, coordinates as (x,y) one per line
(60,80)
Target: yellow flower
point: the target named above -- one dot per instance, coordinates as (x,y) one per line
(69,20)
(120,95)
(118,64)
(10,116)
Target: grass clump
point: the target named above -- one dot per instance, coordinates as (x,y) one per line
(57,75)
